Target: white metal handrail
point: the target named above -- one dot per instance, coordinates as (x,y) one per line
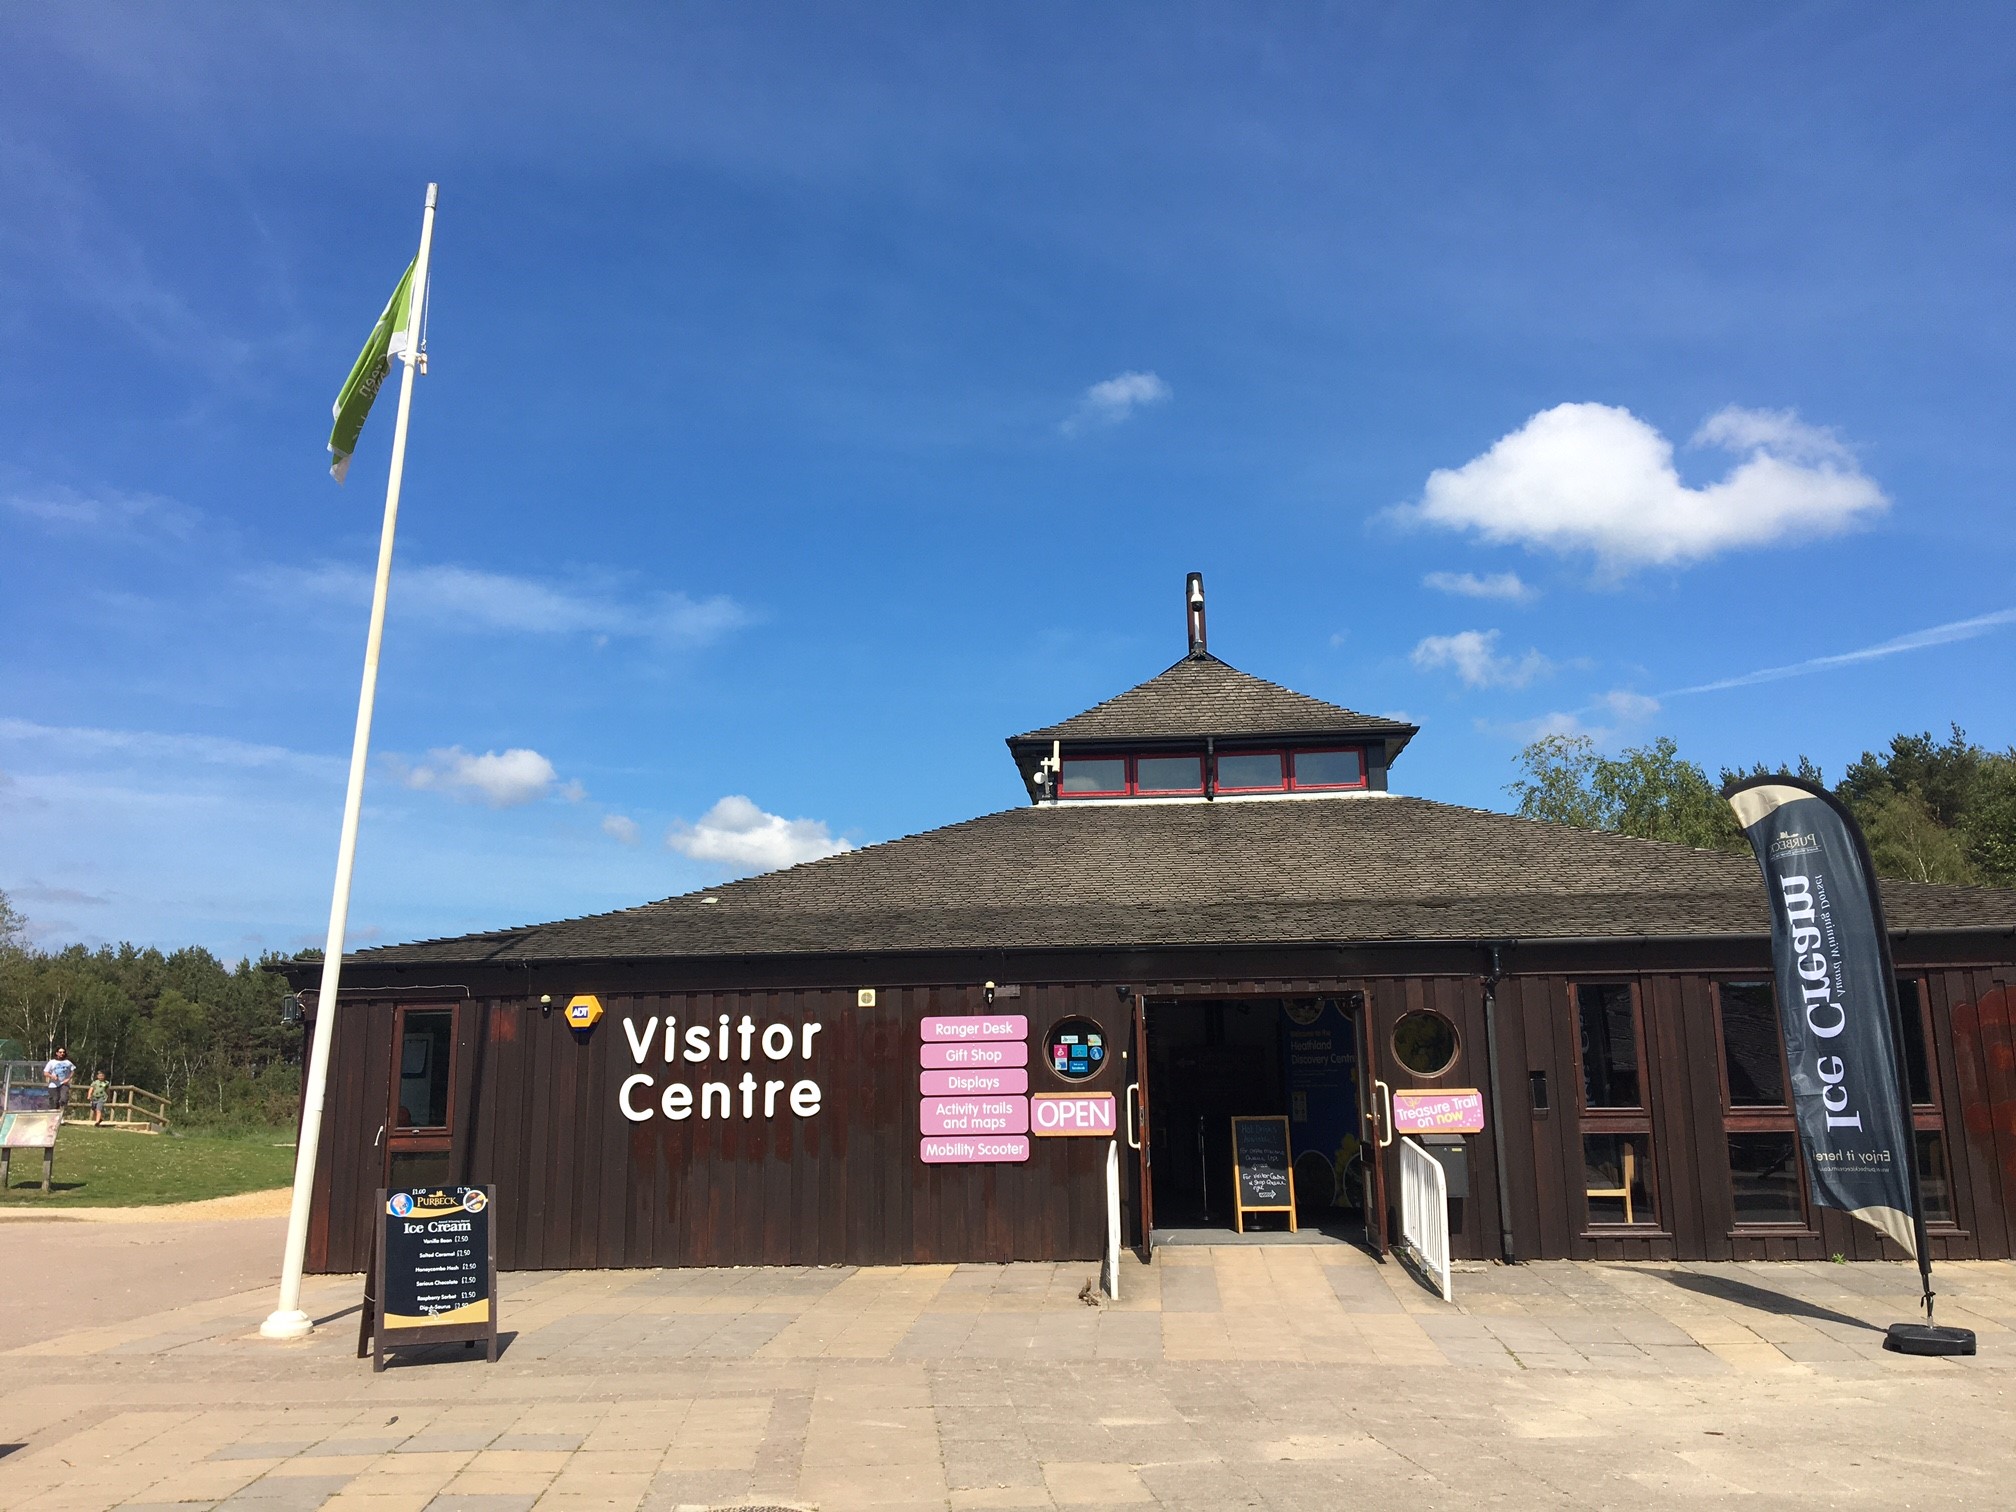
(1424,1212)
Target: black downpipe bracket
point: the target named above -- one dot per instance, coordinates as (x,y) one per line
(1506,1251)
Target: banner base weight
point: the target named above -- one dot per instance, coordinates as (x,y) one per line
(1928,1339)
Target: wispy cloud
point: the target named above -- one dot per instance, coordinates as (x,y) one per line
(1116,399)
(736,833)
(1596,478)
(471,598)
(1916,640)
(1473,655)
(153,746)
(105,512)
(499,779)
(1499,585)
(620,829)
(1605,718)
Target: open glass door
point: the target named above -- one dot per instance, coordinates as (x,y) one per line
(419,1126)
(1375,1101)
(1137,1127)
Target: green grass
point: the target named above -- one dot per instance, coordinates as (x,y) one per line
(98,1168)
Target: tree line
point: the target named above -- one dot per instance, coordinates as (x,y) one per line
(207,1036)
(1932,810)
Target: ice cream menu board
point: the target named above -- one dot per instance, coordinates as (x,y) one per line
(435,1280)
(973,1079)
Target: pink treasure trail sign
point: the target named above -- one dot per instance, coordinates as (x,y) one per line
(972,1083)
(1458,1110)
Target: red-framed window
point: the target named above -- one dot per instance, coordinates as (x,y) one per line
(1173,776)
(1095,777)
(1324,770)
(1252,771)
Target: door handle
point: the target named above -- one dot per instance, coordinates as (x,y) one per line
(378,1138)
(1386,1124)
(1133,1115)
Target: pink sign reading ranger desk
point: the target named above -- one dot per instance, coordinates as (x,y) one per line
(1459,1110)
(975,1106)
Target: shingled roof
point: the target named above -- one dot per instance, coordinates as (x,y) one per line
(1369,868)
(1201,696)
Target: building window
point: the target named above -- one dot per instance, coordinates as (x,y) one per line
(1766,1186)
(1764,1175)
(1329,769)
(426,1048)
(1928,1118)
(1609,1024)
(1424,1041)
(1618,1183)
(1094,777)
(1169,774)
(1251,772)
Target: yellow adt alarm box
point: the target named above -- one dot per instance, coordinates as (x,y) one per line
(584,1011)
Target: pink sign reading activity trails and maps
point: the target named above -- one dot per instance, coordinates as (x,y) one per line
(975,1026)
(984,1053)
(1459,1110)
(975,1115)
(972,1083)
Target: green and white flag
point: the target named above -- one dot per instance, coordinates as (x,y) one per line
(388,340)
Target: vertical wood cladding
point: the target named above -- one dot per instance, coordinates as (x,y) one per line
(579,1185)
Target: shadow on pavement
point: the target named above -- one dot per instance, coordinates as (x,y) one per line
(1745,1294)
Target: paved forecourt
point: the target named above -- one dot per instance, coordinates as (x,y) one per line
(1292,1377)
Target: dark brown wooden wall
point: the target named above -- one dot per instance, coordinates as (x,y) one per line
(580,1186)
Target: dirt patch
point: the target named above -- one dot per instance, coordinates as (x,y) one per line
(268,1204)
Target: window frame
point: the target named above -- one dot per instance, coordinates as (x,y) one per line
(1279,753)
(1759,1118)
(1930,1117)
(1297,785)
(1125,790)
(1614,1121)
(1134,774)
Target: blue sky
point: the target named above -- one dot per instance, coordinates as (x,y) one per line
(820,394)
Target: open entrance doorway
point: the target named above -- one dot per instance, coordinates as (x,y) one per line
(1210,1061)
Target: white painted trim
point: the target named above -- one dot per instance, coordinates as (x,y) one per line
(1352,794)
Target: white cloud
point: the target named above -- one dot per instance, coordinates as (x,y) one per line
(1474,656)
(1499,585)
(1594,477)
(107,512)
(501,779)
(1917,640)
(1627,707)
(619,828)
(469,598)
(1115,399)
(737,833)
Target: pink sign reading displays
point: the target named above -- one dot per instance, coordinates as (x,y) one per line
(976,1026)
(974,1115)
(1082,1113)
(1458,1110)
(985,1053)
(960,1150)
(971,1083)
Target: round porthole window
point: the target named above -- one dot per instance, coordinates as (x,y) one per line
(1424,1041)
(1075,1048)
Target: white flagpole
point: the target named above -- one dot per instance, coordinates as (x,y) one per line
(287,1320)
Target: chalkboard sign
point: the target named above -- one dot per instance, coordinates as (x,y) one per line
(433,1278)
(1263,1179)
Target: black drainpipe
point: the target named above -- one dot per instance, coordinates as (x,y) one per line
(1505,1248)
(1210,767)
